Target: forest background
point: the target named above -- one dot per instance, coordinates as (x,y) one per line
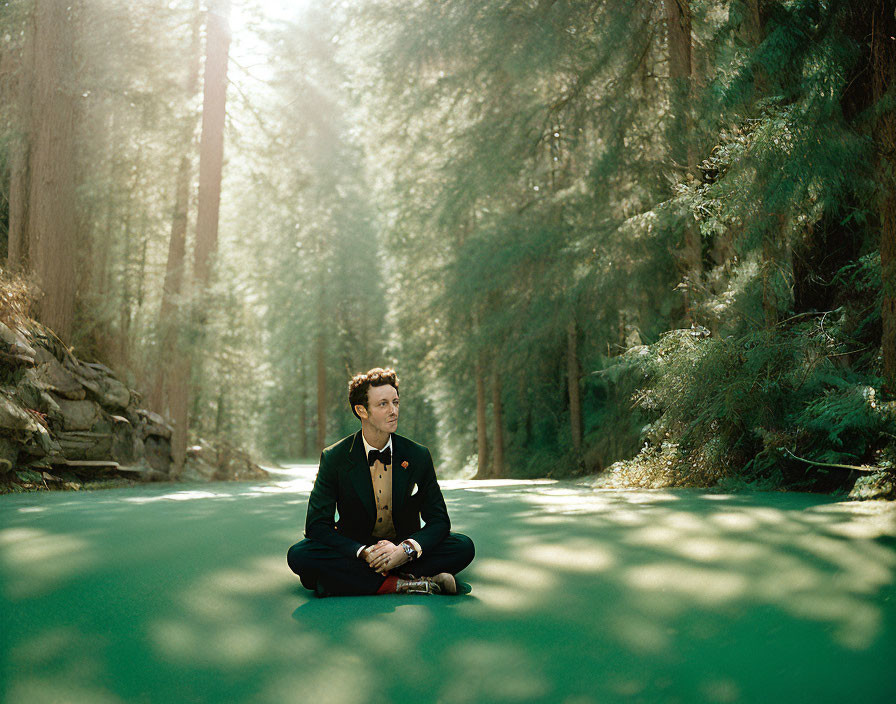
(659,234)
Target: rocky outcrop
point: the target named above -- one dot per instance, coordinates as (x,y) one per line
(878,485)
(222,461)
(64,422)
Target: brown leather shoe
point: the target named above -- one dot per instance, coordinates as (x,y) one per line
(442,583)
(446,583)
(419,585)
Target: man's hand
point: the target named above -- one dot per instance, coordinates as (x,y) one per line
(371,551)
(384,556)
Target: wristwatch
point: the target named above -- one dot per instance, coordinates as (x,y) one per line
(409,550)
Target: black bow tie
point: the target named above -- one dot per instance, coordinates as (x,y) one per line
(384,456)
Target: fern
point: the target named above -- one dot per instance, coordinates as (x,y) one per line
(732,406)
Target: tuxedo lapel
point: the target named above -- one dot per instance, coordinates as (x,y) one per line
(359,473)
(399,474)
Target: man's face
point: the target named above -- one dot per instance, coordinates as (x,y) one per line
(382,408)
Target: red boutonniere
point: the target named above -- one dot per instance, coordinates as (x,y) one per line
(405,464)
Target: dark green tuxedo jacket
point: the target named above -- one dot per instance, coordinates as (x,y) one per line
(342,509)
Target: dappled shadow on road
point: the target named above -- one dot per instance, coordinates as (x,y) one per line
(182,594)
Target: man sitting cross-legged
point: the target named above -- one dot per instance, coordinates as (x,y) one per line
(380,484)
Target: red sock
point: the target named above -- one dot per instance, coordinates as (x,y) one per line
(389,585)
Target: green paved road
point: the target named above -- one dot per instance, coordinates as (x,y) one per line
(182,594)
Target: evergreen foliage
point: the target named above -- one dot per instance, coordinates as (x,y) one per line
(556,200)
(570,242)
(755,406)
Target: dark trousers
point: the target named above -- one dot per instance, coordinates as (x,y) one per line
(330,573)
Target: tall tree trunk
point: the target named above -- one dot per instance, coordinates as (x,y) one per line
(103,274)
(179,407)
(769,268)
(170,317)
(20,176)
(17,247)
(220,416)
(883,61)
(303,420)
(52,225)
(482,455)
(753,32)
(528,425)
(481,431)
(124,309)
(211,146)
(321,391)
(777,270)
(681,133)
(22,67)
(573,372)
(751,27)
(498,416)
(211,160)
(678,23)
(177,245)
(141,274)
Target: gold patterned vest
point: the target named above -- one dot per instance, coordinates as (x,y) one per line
(381,476)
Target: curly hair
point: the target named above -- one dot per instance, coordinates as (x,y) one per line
(361,383)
